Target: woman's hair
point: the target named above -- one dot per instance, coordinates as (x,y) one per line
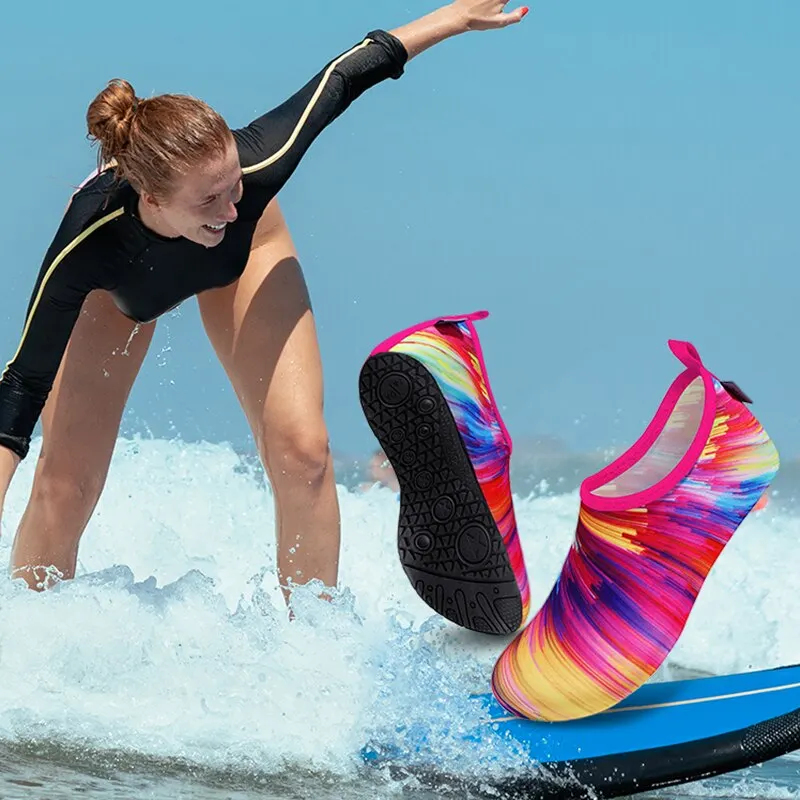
(153,141)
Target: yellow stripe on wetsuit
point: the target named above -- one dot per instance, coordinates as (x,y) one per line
(306,113)
(56,261)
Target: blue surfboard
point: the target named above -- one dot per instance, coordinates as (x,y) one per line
(663,734)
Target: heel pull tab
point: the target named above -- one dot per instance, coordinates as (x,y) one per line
(687,354)
(472,317)
(735,392)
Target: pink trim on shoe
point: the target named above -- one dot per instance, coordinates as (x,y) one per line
(485,371)
(686,353)
(387,344)
(470,319)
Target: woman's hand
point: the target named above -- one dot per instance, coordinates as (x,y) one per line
(456,17)
(487,15)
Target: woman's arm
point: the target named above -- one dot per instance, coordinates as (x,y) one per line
(458,17)
(272,146)
(70,270)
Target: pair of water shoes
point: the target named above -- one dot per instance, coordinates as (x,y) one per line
(650,525)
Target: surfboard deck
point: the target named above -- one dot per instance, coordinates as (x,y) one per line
(663,734)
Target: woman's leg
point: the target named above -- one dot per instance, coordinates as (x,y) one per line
(263,331)
(80,423)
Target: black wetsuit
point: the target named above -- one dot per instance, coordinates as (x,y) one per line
(102,244)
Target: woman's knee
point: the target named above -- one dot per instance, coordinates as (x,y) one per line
(300,451)
(66,491)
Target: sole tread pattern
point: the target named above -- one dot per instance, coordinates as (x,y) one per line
(448,542)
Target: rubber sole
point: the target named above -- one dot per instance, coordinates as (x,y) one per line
(448,542)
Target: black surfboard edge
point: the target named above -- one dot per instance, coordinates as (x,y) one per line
(628,773)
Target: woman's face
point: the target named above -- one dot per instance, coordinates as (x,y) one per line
(202,203)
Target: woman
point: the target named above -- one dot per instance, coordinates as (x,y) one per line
(183,206)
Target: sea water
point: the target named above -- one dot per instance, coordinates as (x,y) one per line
(169,666)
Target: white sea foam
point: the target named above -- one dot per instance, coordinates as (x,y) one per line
(173,641)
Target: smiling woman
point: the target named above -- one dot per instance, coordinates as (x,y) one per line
(177,153)
(181,206)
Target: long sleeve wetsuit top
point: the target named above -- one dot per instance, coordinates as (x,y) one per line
(102,244)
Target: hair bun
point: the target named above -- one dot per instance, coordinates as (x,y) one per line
(153,143)
(109,118)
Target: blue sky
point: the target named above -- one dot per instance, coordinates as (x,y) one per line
(601,178)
